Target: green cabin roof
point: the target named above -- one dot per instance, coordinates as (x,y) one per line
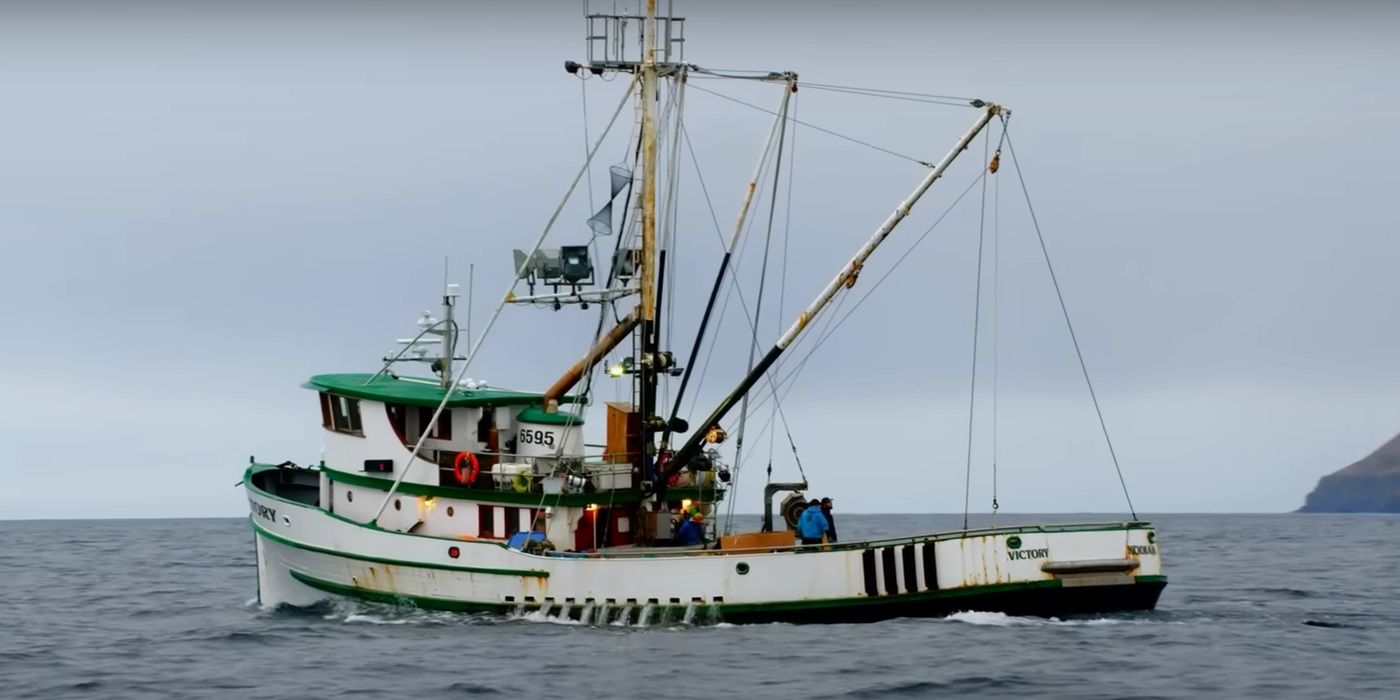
(538,416)
(388,389)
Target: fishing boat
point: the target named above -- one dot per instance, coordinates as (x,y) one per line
(443,492)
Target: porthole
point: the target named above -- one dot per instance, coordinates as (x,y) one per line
(1151,536)
(398,505)
(742,568)
(1013,542)
(450,512)
(349,496)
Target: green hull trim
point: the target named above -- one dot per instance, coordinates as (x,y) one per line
(397,598)
(1037,598)
(525,573)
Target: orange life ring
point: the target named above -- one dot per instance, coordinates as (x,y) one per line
(470,477)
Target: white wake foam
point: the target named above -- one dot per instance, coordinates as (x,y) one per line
(996,619)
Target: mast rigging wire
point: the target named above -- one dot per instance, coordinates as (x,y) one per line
(782,284)
(957,99)
(1083,367)
(762,284)
(734,287)
(824,130)
(743,304)
(788,378)
(734,74)
(583,92)
(996,320)
(728,256)
(882,95)
(505,299)
(976,328)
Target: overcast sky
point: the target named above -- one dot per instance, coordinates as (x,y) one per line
(202,204)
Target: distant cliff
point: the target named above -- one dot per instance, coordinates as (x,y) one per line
(1369,486)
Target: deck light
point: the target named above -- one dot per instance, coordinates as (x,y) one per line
(616,370)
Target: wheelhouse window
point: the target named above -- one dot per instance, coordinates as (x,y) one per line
(341,414)
(442,430)
(486,521)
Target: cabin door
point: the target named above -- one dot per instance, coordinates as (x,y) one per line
(586,533)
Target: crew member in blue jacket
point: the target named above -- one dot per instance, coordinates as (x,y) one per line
(692,531)
(812,524)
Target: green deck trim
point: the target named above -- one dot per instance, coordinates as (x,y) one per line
(626,497)
(387,389)
(525,573)
(538,416)
(256,468)
(601,498)
(424,602)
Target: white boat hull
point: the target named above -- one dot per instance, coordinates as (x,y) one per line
(306,555)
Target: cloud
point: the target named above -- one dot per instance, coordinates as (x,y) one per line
(207,202)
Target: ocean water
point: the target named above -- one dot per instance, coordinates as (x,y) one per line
(1267,606)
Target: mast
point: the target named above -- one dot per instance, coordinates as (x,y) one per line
(845,278)
(646,374)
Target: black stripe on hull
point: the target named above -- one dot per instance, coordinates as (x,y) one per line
(891,580)
(930,567)
(1049,601)
(911,571)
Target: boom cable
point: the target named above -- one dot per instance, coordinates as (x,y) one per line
(782,284)
(762,284)
(892,95)
(996,315)
(1083,367)
(976,327)
(788,378)
(824,130)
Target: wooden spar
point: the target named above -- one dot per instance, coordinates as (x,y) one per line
(646,372)
(604,345)
(845,278)
(648,97)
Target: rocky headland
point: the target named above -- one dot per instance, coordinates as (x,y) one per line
(1371,485)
